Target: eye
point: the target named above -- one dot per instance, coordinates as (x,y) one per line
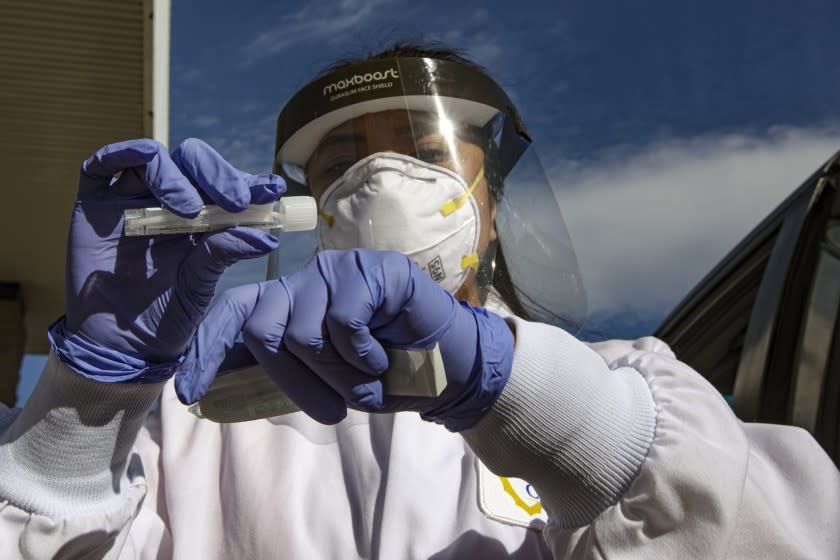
(339,168)
(335,168)
(434,154)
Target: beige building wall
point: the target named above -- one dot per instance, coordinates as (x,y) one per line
(74,75)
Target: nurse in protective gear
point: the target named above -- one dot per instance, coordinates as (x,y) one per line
(437,230)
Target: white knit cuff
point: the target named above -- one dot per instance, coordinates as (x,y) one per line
(577,431)
(68,448)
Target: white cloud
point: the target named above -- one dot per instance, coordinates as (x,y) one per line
(649,223)
(315,22)
(479,15)
(248,144)
(205,121)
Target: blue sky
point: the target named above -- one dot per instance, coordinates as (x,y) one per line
(668,129)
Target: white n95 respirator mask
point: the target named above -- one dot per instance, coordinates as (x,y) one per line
(395,202)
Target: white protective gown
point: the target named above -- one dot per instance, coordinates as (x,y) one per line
(634,456)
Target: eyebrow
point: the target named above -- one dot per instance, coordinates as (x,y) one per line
(338,140)
(430,125)
(419,125)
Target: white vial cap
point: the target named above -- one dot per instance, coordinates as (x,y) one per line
(301,213)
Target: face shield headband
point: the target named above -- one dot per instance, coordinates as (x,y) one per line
(421,84)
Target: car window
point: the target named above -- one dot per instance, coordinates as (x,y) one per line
(711,339)
(813,363)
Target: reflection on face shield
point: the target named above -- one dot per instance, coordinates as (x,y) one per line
(431,138)
(395,202)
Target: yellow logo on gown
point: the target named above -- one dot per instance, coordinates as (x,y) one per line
(517,499)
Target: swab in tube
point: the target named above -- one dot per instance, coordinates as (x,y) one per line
(290,213)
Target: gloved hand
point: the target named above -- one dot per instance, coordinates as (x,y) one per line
(320,332)
(133,303)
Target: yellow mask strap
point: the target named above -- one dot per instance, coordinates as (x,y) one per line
(329,218)
(470,261)
(455,204)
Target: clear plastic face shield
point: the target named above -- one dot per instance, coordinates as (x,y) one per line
(429,158)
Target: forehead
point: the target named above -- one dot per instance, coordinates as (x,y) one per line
(425,135)
(387,124)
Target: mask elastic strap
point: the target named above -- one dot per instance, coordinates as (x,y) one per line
(470,261)
(329,218)
(456,203)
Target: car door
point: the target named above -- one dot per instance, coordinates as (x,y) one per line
(762,326)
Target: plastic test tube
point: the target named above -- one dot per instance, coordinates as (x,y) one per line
(290,213)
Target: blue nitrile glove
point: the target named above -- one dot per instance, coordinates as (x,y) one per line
(320,332)
(133,303)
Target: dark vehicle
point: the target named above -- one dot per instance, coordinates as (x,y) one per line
(764,325)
